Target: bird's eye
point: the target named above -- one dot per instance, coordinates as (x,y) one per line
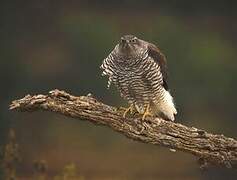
(133,40)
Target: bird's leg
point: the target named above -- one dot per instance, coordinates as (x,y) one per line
(147,112)
(129,109)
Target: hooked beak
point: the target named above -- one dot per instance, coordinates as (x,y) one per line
(123,43)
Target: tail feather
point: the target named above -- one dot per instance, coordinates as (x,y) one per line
(165,107)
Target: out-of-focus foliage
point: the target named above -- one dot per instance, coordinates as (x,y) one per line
(47,45)
(10,158)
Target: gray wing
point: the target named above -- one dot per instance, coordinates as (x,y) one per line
(158,57)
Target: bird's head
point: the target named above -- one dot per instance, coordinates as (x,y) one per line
(131,46)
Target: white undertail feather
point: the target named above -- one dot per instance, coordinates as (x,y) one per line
(166,106)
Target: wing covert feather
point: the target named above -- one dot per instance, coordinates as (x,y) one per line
(158,57)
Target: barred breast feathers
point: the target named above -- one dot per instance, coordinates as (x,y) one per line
(109,67)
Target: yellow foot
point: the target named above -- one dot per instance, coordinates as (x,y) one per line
(147,112)
(130,109)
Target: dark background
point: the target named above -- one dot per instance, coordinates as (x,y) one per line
(61,44)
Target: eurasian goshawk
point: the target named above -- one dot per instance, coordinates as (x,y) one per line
(139,71)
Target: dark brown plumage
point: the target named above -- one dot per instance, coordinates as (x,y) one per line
(155,53)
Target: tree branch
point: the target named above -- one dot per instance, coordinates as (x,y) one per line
(209,148)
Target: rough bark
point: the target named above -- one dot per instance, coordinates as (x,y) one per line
(209,148)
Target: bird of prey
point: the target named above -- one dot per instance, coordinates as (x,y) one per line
(139,70)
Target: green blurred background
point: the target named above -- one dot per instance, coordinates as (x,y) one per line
(61,44)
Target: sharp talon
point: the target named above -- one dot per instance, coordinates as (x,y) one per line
(124,114)
(147,112)
(130,109)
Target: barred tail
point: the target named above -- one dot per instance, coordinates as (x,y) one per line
(165,106)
